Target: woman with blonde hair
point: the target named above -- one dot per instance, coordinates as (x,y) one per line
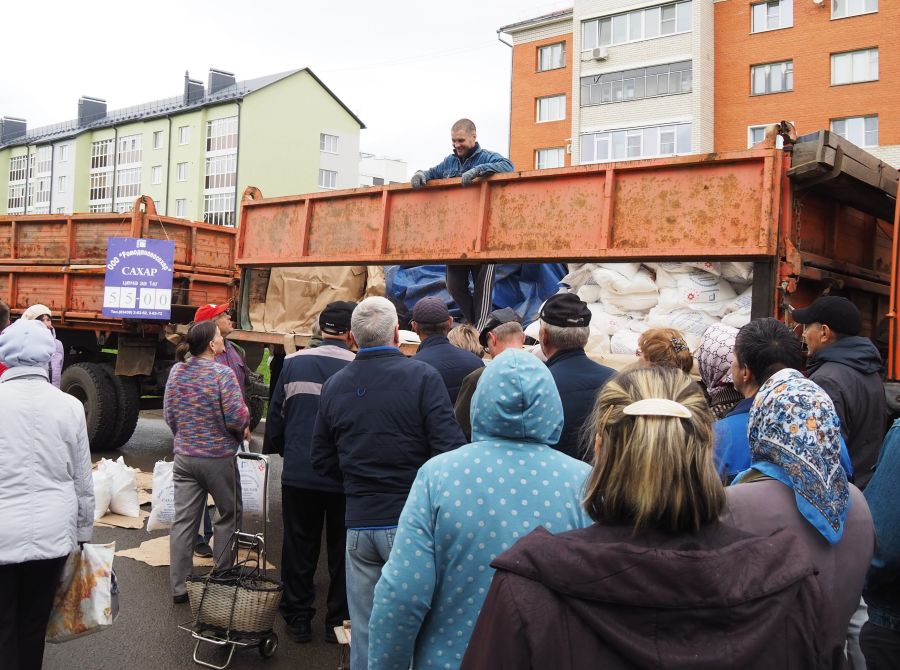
(657,581)
(465,337)
(666,347)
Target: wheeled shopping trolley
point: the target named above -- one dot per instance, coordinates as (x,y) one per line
(236,608)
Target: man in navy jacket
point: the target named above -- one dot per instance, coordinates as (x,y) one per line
(379,420)
(564,332)
(432,322)
(468,161)
(308,498)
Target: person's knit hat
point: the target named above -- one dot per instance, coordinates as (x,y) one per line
(26,343)
(208,312)
(837,313)
(565,310)
(335,318)
(497,318)
(430,310)
(36,311)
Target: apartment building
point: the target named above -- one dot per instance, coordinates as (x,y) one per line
(193,154)
(379,170)
(640,80)
(541,91)
(821,64)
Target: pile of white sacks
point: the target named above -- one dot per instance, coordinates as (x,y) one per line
(628,298)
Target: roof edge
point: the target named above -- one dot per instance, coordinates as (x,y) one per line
(537,21)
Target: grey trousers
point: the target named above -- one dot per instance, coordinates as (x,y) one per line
(195,478)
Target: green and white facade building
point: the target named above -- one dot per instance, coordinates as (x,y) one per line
(193,154)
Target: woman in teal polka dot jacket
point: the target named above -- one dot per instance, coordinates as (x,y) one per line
(468,506)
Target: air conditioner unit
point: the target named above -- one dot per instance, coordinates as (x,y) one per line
(600,53)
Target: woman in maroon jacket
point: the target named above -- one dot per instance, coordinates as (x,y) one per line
(657,581)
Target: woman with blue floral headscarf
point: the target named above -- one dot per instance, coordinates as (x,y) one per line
(796,481)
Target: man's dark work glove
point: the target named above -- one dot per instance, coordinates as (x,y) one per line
(469,175)
(418,180)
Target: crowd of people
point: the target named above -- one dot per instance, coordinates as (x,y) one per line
(531,509)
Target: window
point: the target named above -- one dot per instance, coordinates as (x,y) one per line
(130,149)
(157,139)
(328,143)
(62,183)
(550,158)
(551,57)
(128,183)
(156,174)
(156,204)
(552,108)
(841,9)
(218,209)
(180,207)
(107,207)
(182,172)
(641,24)
(16,197)
(184,134)
(664,140)
(222,134)
(221,171)
(327,179)
(60,210)
(756,134)
(42,194)
(101,154)
(644,82)
(377,181)
(772,15)
(861,130)
(17,167)
(63,152)
(772,78)
(44,160)
(101,186)
(853,67)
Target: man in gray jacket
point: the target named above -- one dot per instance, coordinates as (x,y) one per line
(848,368)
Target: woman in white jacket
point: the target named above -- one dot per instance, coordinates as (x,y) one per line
(47,493)
(42,313)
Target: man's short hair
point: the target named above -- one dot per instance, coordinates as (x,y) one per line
(373,322)
(565,338)
(464,125)
(4,315)
(765,346)
(426,330)
(512,330)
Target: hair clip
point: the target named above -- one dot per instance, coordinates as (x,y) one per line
(657,407)
(678,344)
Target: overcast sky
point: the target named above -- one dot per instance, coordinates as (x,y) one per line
(407,69)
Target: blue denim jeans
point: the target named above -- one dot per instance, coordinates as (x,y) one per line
(367,552)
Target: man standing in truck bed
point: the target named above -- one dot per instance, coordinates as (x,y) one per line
(468,161)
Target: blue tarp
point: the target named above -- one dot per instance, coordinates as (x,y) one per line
(522,287)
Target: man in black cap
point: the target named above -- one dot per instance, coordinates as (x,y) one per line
(431,321)
(564,332)
(309,500)
(848,368)
(502,330)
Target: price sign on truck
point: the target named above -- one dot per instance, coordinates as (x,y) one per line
(138,280)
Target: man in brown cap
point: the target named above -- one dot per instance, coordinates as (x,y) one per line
(564,332)
(431,320)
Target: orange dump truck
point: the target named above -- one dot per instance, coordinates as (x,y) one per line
(817,216)
(110,364)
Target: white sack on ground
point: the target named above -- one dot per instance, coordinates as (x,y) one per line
(162,513)
(123,489)
(102,484)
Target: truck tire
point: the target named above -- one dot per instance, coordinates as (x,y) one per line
(91,385)
(128,404)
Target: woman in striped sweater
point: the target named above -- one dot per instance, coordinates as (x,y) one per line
(205,409)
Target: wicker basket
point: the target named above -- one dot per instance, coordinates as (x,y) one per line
(253,600)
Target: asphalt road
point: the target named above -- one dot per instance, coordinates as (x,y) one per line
(146,634)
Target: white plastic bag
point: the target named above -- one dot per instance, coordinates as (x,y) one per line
(123,489)
(162,512)
(102,484)
(253,485)
(86,600)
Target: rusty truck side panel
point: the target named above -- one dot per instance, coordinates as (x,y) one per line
(711,206)
(59,260)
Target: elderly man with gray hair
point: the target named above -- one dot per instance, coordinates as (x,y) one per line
(380,418)
(565,320)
